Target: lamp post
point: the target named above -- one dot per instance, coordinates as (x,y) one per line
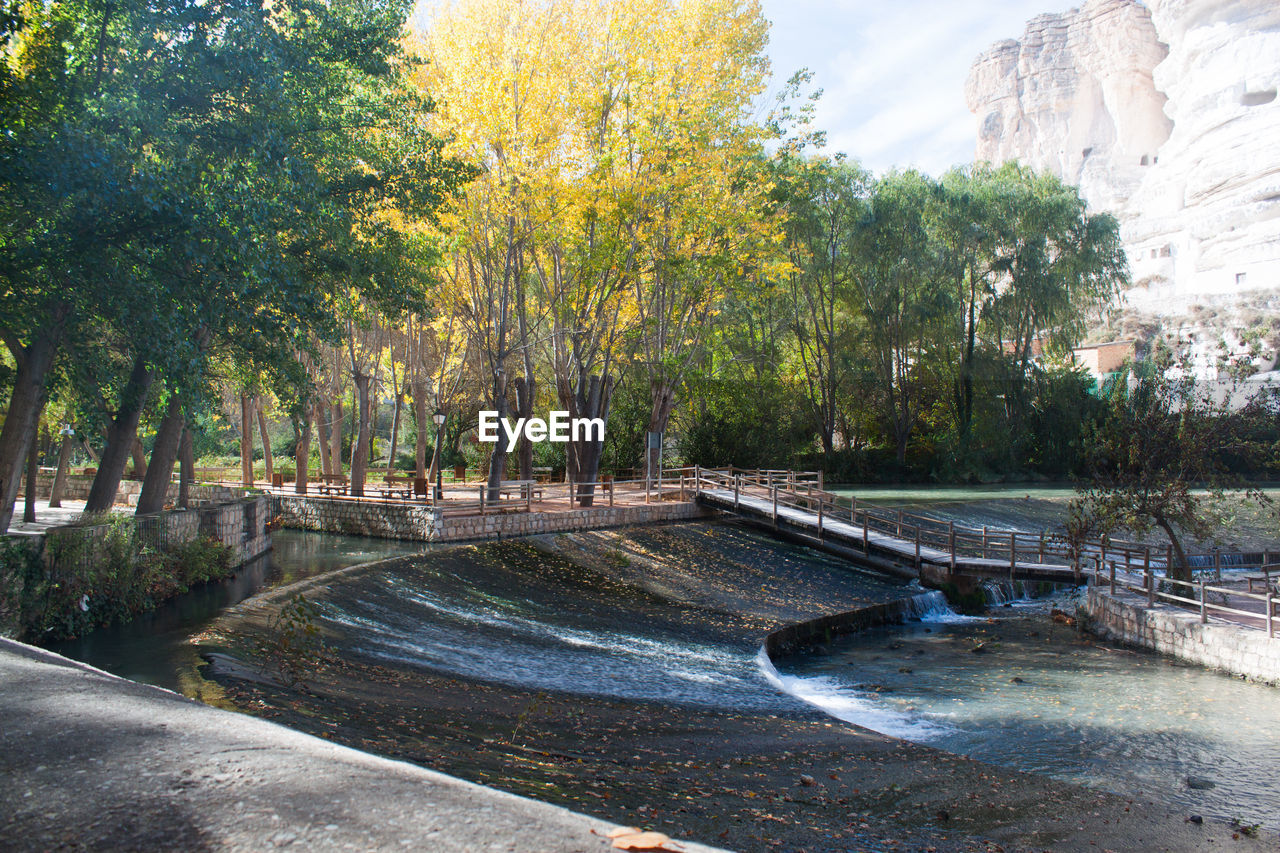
(64,458)
(438,418)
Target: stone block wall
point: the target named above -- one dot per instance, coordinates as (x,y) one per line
(126,493)
(241,525)
(419,522)
(1169,630)
(802,635)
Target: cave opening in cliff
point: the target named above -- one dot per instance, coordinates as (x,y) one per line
(1257,99)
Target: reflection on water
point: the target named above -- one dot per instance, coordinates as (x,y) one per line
(1026,693)
(154,647)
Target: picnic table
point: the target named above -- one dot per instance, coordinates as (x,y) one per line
(333,488)
(392,491)
(1264,576)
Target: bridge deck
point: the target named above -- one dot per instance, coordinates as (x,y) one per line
(846,532)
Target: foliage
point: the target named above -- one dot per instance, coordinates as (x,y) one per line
(293,645)
(99,572)
(21,576)
(1155,459)
(749,425)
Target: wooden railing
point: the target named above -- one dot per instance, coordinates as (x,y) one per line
(803,491)
(1196,594)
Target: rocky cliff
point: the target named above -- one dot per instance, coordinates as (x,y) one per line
(1165,114)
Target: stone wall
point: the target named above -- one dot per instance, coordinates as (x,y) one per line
(241,525)
(1169,630)
(419,522)
(126,493)
(794,638)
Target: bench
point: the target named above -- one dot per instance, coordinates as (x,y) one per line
(519,488)
(402,492)
(333,489)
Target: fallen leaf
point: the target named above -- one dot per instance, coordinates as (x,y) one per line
(642,841)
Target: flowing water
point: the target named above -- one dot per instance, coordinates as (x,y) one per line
(673,616)
(1025,692)
(652,614)
(155,648)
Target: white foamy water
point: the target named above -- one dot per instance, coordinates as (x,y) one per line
(849,705)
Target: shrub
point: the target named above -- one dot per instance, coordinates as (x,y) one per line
(95,573)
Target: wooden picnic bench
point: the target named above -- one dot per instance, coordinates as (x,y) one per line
(333,489)
(521,489)
(393,491)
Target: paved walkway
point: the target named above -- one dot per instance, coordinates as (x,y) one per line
(91,760)
(46,517)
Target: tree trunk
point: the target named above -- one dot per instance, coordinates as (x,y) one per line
(335,436)
(60,476)
(186,468)
(582,456)
(395,431)
(266,439)
(352,441)
(498,460)
(88,451)
(120,437)
(360,452)
(246,442)
(25,402)
(526,390)
(155,487)
(139,455)
(420,446)
(663,396)
(322,436)
(1179,571)
(33,474)
(302,449)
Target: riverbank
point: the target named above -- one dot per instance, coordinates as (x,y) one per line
(94,761)
(772,773)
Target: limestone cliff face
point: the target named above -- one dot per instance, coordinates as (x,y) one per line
(1165,114)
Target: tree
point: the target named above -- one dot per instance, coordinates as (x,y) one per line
(896,285)
(1156,460)
(220,166)
(825,203)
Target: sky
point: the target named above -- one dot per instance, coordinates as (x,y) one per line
(892,71)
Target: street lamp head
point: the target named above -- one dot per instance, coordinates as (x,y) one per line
(438,417)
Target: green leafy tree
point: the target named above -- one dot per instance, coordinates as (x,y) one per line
(204,177)
(1156,459)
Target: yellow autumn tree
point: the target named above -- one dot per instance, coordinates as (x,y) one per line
(618,201)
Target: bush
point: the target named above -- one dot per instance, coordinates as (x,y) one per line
(21,580)
(97,573)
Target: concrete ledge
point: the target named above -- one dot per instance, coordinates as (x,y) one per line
(92,760)
(794,638)
(1126,618)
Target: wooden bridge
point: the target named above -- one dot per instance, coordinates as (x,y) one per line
(935,551)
